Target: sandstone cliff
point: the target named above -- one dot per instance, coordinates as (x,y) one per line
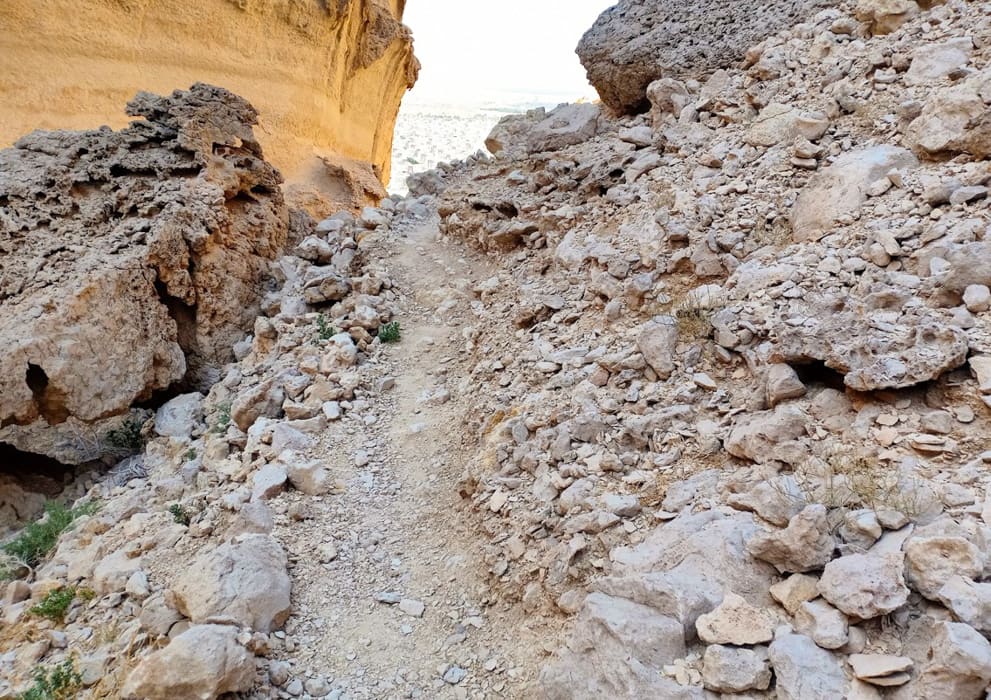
(326,77)
(130,260)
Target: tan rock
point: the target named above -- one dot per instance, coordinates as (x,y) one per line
(795,590)
(885,16)
(865,586)
(737,622)
(806,544)
(202,663)
(931,561)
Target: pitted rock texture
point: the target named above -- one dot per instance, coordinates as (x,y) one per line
(326,77)
(639,41)
(131,261)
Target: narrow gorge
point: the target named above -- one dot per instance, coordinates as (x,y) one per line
(683,393)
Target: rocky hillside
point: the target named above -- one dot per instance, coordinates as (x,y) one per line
(326,77)
(689,403)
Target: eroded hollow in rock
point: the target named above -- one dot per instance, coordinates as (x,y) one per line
(34,472)
(816,373)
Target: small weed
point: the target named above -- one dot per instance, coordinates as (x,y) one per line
(38,539)
(694,321)
(390,332)
(55,604)
(60,682)
(85,594)
(127,437)
(179,514)
(325,331)
(190,455)
(223,419)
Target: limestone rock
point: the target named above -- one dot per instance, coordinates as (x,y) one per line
(969,601)
(783,384)
(639,41)
(202,663)
(260,400)
(931,561)
(795,590)
(804,671)
(806,544)
(192,215)
(617,649)
(955,120)
(937,61)
(865,586)
(885,16)
(243,582)
(826,625)
(841,189)
(879,668)
(761,437)
(178,417)
(958,668)
(565,126)
(732,670)
(309,476)
(779,123)
(736,622)
(656,343)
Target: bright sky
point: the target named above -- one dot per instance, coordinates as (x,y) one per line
(471,49)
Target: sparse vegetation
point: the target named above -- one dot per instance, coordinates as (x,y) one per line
(390,332)
(127,436)
(325,331)
(179,514)
(60,682)
(190,454)
(694,321)
(38,539)
(223,421)
(55,605)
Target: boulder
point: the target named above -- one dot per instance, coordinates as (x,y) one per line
(958,667)
(508,138)
(931,561)
(178,417)
(202,663)
(782,384)
(955,120)
(841,189)
(779,123)
(885,16)
(736,622)
(639,41)
(242,583)
(806,544)
(765,436)
(657,342)
(805,671)
(565,126)
(826,625)
(735,670)
(969,601)
(617,648)
(935,61)
(136,254)
(865,586)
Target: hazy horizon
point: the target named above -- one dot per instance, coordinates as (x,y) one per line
(528,47)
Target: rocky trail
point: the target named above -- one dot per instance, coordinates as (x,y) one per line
(395,603)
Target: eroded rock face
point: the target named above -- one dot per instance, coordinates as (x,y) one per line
(639,41)
(324,75)
(130,261)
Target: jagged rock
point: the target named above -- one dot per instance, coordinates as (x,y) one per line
(865,585)
(260,400)
(326,287)
(885,16)
(931,561)
(243,583)
(939,60)
(958,668)
(841,189)
(268,482)
(806,544)
(148,222)
(617,649)
(178,417)
(565,126)
(639,41)
(880,669)
(732,670)
(955,120)
(969,601)
(778,123)
(795,590)
(736,622)
(826,625)
(309,476)
(769,435)
(509,136)
(783,384)
(656,343)
(202,663)
(804,671)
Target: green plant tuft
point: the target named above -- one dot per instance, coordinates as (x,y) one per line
(179,514)
(223,419)
(59,682)
(127,437)
(39,538)
(325,331)
(390,332)
(55,604)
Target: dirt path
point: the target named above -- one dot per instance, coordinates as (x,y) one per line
(389,580)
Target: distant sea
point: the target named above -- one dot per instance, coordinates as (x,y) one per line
(440,128)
